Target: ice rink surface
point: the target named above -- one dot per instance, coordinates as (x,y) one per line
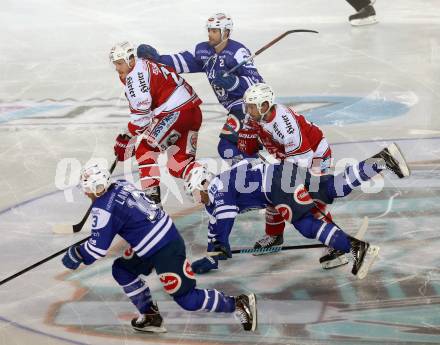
(61,104)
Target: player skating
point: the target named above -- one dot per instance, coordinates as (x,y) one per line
(164,116)
(287,136)
(214,57)
(291,190)
(120,209)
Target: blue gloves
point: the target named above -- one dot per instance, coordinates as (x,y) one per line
(229,83)
(72,259)
(210,262)
(147,52)
(223,250)
(205,264)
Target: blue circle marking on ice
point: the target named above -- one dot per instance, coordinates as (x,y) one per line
(338,110)
(19,112)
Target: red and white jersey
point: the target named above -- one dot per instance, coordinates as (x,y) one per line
(288,135)
(154,89)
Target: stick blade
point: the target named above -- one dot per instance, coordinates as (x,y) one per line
(62,229)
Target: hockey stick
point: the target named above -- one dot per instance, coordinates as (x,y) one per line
(68,228)
(41,261)
(270,44)
(275,249)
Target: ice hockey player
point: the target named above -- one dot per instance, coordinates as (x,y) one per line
(214,57)
(287,136)
(291,190)
(120,209)
(164,116)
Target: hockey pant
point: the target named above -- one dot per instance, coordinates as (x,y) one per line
(175,133)
(178,280)
(274,220)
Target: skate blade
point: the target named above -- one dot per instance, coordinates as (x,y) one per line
(151,329)
(398,156)
(365,21)
(253,306)
(368,261)
(337,262)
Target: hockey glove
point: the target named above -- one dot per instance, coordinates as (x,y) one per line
(72,259)
(124,149)
(219,251)
(248,141)
(205,264)
(145,51)
(229,83)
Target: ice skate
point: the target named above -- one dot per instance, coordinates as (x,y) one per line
(151,321)
(246,311)
(394,160)
(267,242)
(365,16)
(333,258)
(364,255)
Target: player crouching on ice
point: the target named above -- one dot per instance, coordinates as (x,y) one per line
(120,209)
(291,190)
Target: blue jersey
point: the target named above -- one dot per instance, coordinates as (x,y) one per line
(285,186)
(205,59)
(234,191)
(125,211)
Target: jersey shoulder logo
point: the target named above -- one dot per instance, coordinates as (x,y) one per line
(100,218)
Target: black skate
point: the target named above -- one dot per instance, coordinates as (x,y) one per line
(268,242)
(365,16)
(394,160)
(364,255)
(333,258)
(149,322)
(246,311)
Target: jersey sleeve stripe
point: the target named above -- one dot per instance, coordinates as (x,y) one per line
(159,236)
(92,254)
(226,215)
(152,232)
(183,63)
(176,64)
(96,249)
(224,208)
(248,80)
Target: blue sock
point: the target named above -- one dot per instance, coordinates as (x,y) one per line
(333,237)
(210,300)
(139,294)
(354,175)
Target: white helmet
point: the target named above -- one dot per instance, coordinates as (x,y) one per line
(122,50)
(220,21)
(94,179)
(196,178)
(258,94)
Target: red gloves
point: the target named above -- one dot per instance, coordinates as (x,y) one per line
(124,147)
(248,141)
